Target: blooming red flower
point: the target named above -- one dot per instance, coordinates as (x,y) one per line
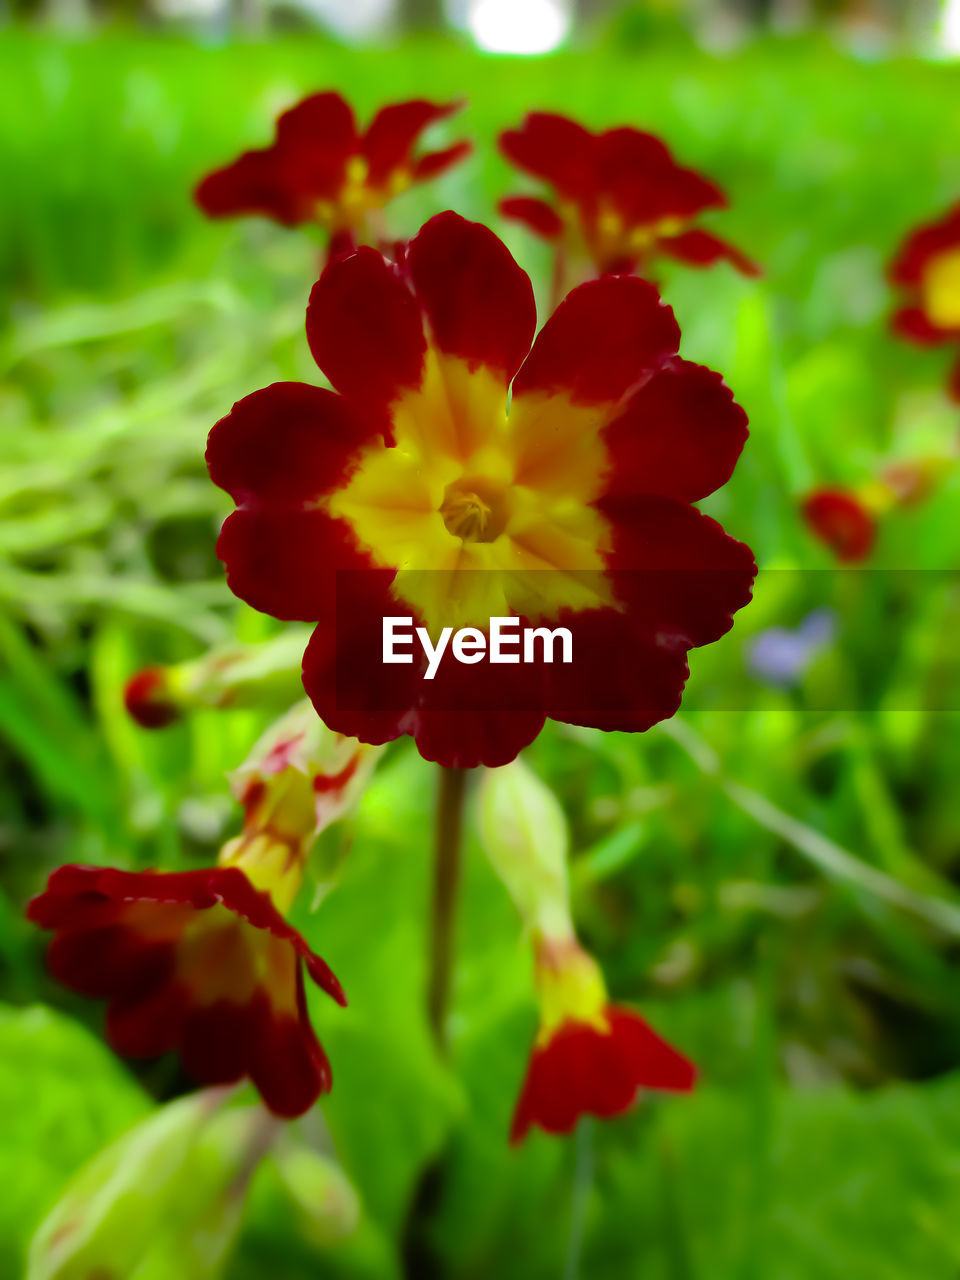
(591,1057)
(410,491)
(618,195)
(203,962)
(841,520)
(926,269)
(199,962)
(321,169)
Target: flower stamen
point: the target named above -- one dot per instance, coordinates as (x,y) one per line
(475,510)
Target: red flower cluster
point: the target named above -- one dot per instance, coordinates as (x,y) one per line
(619,196)
(575,507)
(927,271)
(194,961)
(591,1057)
(322,169)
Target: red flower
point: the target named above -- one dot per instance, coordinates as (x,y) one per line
(591,1056)
(619,195)
(413,493)
(838,518)
(927,271)
(195,961)
(320,169)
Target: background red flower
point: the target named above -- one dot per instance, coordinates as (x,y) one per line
(619,194)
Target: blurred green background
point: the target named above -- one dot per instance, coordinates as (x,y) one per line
(772,876)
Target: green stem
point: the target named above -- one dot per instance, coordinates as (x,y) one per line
(446,878)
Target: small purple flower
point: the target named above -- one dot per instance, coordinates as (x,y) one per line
(782,657)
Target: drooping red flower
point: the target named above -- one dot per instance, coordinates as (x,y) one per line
(410,491)
(926,269)
(619,196)
(321,169)
(840,519)
(591,1056)
(199,962)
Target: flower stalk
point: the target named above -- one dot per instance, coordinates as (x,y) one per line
(451,789)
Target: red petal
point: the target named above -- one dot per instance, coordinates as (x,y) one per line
(343,669)
(701,249)
(364,329)
(465,717)
(604,338)
(434,163)
(913,324)
(679,435)
(554,148)
(288,1065)
(393,132)
(145,1024)
(320,128)
(679,575)
(655,1063)
(921,245)
(477,303)
(839,519)
(217,1040)
(106,961)
(582,1070)
(619,680)
(285,445)
(479,715)
(285,563)
(255,183)
(536,214)
(631,151)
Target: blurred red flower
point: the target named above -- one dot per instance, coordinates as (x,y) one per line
(590,1057)
(926,269)
(618,195)
(841,520)
(576,508)
(194,961)
(321,169)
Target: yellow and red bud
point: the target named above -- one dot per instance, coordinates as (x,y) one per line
(261,675)
(299,778)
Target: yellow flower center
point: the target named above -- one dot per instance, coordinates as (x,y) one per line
(941,289)
(608,237)
(357,197)
(476,509)
(481,514)
(570,988)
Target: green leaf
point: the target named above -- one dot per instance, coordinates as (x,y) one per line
(63,1095)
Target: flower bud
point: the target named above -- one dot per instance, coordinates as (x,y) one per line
(298,779)
(324,1197)
(261,675)
(164,1200)
(524,832)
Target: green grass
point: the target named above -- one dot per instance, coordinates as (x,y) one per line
(772,876)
